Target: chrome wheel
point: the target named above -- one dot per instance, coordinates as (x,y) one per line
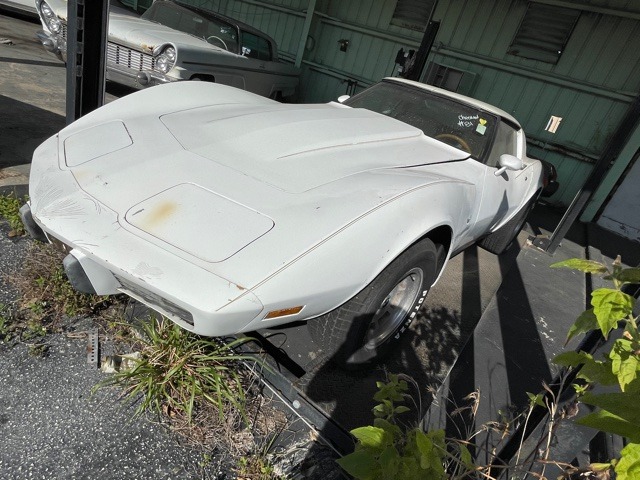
(394,309)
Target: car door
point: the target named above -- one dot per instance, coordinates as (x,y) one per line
(504,194)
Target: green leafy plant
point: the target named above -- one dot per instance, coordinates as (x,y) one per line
(617,412)
(9,207)
(387,450)
(177,369)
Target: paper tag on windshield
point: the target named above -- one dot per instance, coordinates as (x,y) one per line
(482,126)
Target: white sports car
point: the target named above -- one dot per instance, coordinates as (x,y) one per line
(229,212)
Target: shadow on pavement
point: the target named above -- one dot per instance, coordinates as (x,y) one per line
(38,63)
(22,128)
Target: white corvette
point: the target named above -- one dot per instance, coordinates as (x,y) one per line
(229,212)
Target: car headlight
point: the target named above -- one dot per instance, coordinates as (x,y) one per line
(166,60)
(50,18)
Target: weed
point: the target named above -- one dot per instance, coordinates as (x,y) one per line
(45,294)
(5,322)
(256,467)
(178,371)
(9,207)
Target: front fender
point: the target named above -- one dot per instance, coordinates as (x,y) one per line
(335,270)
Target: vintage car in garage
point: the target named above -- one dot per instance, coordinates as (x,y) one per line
(229,212)
(173,41)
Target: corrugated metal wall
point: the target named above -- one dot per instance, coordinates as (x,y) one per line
(590,87)
(595,79)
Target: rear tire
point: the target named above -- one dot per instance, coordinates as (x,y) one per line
(367,326)
(498,241)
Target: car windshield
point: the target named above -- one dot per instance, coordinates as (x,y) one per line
(211,29)
(444,119)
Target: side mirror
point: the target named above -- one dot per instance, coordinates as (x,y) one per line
(508,162)
(343,98)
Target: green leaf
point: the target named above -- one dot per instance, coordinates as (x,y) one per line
(598,372)
(587,266)
(610,306)
(360,464)
(629,275)
(393,430)
(430,458)
(625,364)
(610,423)
(401,409)
(623,405)
(410,469)
(628,467)
(572,358)
(465,457)
(536,399)
(372,437)
(389,462)
(600,467)
(586,322)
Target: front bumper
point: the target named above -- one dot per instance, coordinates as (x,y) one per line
(107,259)
(53,43)
(136,79)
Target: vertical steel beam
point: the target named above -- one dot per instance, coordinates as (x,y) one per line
(579,203)
(86,56)
(311,8)
(426,44)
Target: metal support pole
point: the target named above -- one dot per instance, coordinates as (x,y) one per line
(311,8)
(580,201)
(86,54)
(423,51)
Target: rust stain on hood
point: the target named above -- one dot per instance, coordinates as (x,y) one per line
(160,213)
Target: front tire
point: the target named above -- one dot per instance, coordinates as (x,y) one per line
(367,326)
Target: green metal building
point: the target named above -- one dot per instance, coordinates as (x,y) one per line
(566,69)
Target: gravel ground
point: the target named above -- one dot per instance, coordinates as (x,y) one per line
(51,426)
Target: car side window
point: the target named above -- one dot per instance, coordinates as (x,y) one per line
(506,141)
(254,46)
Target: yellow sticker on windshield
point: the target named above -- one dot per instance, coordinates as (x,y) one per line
(482,126)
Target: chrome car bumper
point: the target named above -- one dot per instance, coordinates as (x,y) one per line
(53,43)
(136,79)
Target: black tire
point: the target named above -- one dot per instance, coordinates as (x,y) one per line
(499,241)
(366,327)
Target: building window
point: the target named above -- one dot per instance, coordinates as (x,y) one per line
(412,14)
(544,32)
(449,78)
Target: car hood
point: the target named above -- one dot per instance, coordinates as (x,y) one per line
(297,148)
(143,34)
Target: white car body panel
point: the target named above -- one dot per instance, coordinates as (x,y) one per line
(310,202)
